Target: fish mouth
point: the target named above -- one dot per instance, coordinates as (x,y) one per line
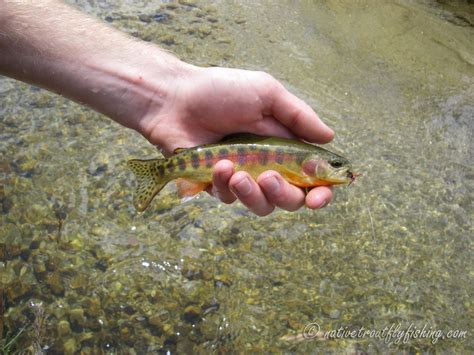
(340,177)
(352,176)
(345,176)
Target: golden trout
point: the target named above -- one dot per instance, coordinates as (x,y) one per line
(301,164)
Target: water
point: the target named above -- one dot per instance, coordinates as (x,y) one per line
(82,271)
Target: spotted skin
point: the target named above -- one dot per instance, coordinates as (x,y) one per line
(223,153)
(251,153)
(279,156)
(170,166)
(241,155)
(182,164)
(195,160)
(209,158)
(263,156)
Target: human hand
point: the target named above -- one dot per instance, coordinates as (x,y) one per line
(168,101)
(206,104)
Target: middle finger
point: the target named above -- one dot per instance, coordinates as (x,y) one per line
(250,194)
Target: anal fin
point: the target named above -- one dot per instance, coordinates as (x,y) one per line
(189,188)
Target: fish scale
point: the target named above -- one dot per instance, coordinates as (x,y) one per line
(301,164)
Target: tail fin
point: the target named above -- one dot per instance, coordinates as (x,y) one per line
(149,182)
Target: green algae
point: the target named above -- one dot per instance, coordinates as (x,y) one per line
(396,83)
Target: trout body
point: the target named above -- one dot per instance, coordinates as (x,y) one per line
(301,164)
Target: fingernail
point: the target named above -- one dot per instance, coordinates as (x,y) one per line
(243,187)
(321,203)
(224,175)
(271,184)
(215,193)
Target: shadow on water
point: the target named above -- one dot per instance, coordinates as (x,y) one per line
(81,271)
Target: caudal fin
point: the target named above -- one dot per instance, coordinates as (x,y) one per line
(149,182)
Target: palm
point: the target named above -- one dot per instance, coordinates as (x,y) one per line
(213,102)
(219,101)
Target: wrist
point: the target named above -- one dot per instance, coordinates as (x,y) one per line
(132,88)
(152,87)
(161,90)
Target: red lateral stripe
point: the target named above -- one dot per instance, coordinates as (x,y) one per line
(256,157)
(247,158)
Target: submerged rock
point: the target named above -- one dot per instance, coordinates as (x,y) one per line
(192,313)
(63,328)
(70,346)
(76,316)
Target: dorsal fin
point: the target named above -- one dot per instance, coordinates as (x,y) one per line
(229,139)
(242,138)
(179,150)
(234,138)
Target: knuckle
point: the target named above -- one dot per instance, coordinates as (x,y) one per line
(295,118)
(265,76)
(277,199)
(269,83)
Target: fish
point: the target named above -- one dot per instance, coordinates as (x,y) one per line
(301,164)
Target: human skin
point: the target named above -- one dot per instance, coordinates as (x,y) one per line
(171,103)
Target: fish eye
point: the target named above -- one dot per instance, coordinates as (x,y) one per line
(335,163)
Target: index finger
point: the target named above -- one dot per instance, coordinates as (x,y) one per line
(301,119)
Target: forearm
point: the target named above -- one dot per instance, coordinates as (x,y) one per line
(171,103)
(50,44)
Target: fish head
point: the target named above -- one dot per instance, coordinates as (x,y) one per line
(330,170)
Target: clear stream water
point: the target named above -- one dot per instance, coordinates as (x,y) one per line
(81,271)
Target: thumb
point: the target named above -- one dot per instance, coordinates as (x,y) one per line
(299,118)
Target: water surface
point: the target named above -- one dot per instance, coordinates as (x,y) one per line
(82,271)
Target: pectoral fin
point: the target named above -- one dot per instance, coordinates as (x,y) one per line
(293,177)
